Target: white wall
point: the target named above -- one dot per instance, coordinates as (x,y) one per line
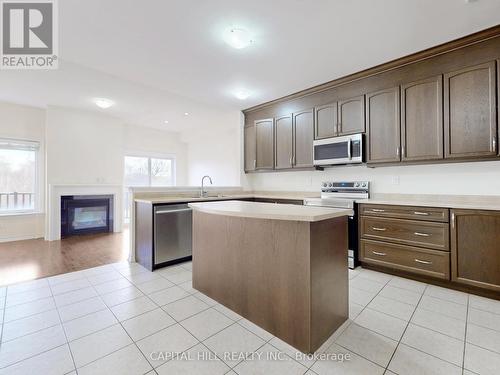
(88,148)
(83,148)
(215,151)
(478,178)
(22,122)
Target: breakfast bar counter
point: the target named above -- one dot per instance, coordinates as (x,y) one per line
(283,267)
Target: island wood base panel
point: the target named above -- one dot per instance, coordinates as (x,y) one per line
(288,277)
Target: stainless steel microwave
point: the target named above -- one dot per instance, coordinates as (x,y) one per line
(338,150)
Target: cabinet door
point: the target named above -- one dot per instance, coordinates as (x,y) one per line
(325,121)
(352,115)
(250,159)
(284,142)
(475,249)
(470,120)
(264,133)
(422,120)
(303,123)
(383,126)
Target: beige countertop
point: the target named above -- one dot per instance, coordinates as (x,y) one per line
(270,211)
(473,202)
(179,197)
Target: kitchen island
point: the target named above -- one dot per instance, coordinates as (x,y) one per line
(281,266)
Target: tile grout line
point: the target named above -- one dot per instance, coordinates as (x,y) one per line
(121,325)
(352,321)
(465,334)
(402,335)
(64,331)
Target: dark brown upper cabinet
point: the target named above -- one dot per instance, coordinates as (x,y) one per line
(351,116)
(325,121)
(475,253)
(284,142)
(422,120)
(470,113)
(250,144)
(303,124)
(264,134)
(383,126)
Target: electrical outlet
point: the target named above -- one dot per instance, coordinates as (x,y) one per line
(395,180)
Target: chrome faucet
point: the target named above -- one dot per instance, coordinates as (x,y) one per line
(203,193)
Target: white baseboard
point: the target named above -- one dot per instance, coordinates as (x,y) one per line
(21,238)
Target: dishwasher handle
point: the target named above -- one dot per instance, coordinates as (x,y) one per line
(173,211)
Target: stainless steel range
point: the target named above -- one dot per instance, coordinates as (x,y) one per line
(344,195)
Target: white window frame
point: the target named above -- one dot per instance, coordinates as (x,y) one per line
(149,156)
(36,146)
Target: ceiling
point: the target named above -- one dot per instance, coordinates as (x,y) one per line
(160,58)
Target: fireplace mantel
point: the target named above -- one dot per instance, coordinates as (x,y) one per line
(53,222)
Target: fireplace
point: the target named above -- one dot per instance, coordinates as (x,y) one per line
(85,214)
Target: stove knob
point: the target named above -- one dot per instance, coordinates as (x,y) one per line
(330,184)
(324,184)
(356,184)
(363,184)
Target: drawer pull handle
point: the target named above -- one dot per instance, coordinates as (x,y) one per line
(422,234)
(421,213)
(377,253)
(377,210)
(379,229)
(422,261)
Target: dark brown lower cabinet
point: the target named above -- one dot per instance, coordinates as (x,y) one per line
(475,248)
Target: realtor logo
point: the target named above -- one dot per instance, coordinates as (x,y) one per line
(29,34)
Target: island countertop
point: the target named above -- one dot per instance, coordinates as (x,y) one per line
(259,210)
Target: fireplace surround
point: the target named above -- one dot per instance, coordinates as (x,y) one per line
(86,214)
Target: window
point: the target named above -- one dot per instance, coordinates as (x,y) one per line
(149,171)
(18,175)
(146,171)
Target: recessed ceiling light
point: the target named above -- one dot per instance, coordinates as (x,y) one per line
(238,38)
(166,121)
(242,94)
(186,113)
(103,103)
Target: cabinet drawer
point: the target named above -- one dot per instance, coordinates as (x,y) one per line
(407,258)
(406,212)
(408,232)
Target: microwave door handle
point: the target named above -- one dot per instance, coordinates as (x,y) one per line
(349,147)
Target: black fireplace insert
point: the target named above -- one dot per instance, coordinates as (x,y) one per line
(86,214)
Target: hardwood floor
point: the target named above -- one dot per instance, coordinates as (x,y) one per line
(33,259)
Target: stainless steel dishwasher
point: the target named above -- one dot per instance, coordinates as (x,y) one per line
(172,233)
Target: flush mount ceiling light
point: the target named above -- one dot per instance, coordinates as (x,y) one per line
(238,37)
(103,102)
(166,121)
(242,94)
(186,113)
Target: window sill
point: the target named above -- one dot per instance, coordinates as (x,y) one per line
(20,213)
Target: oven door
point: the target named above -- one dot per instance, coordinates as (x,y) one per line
(338,150)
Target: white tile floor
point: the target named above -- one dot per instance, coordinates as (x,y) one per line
(122,319)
